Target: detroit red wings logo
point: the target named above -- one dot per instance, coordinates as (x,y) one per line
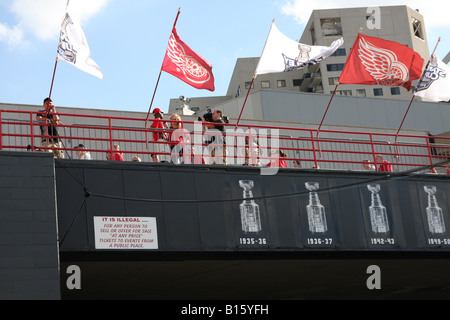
(382,64)
(190,67)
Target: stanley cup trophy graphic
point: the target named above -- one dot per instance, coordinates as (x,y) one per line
(250,216)
(316,212)
(434,212)
(378,214)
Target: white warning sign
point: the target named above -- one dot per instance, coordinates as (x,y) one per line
(132,233)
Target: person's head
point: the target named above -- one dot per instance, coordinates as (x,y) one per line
(217,114)
(117,147)
(157,112)
(178,124)
(136,159)
(378,158)
(80,149)
(366,164)
(48,104)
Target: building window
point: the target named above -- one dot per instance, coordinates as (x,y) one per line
(344,92)
(333,81)
(339,53)
(417,28)
(395,91)
(238,92)
(281,83)
(335,67)
(331,27)
(297,82)
(313,35)
(247,85)
(265,84)
(360,92)
(378,92)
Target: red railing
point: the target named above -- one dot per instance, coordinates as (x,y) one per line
(333,149)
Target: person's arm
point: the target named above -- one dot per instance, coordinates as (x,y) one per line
(206,124)
(40,117)
(56,119)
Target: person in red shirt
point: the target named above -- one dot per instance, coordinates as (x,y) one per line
(160,137)
(383,165)
(117,155)
(279,161)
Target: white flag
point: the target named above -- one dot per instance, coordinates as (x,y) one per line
(282,54)
(435,82)
(74,49)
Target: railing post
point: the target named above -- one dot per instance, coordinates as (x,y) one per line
(31,132)
(313,149)
(373,150)
(429,150)
(110,137)
(1,132)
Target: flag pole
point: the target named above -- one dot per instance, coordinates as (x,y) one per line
(334,93)
(157,82)
(56,62)
(326,111)
(53,78)
(329,103)
(414,95)
(254,76)
(245,101)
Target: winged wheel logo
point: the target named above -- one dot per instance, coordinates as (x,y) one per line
(192,70)
(382,64)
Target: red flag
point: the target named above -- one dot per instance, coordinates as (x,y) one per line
(183,63)
(377,61)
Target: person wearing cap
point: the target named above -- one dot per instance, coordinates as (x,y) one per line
(160,137)
(49,132)
(82,153)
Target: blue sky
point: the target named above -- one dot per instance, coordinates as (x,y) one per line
(128,40)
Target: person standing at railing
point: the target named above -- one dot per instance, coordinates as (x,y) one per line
(383,165)
(117,155)
(49,132)
(180,141)
(368,166)
(215,140)
(82,153)
(277,160)
(252,155)
(160,137)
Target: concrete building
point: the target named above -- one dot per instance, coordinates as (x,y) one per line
(395,23)
(447,58)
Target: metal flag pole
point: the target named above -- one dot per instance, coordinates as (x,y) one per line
(326,111)
(53,78)
(414,95)
(56,62)
(245,101)
(157,83)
